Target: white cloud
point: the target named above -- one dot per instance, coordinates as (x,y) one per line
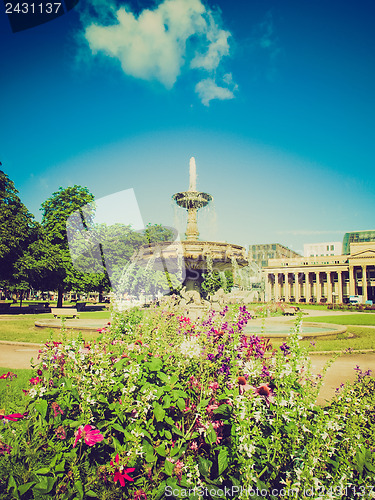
(208,90)
(157,44)
(218,48)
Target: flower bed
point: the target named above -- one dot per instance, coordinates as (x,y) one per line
(163,408)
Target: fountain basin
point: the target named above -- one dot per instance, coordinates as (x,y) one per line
(192,199)
(282,329)
(195,254)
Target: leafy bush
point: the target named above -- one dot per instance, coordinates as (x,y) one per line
(172,409)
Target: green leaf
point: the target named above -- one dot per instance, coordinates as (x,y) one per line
(118,427)
(163,377)
(43,471)
(167,401)
(25,487)
(181,404)
(79,488)
(91,494)
(215,493)
(168,435)
(169,467)
(45,484)
(12,485)
(222,460)
(160,491)
(224,410)
(41,407)
(204,466)
(159,412)
(160,450)
(211,435)
(155,364)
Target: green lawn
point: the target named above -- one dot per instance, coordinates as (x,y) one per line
(11,395)
(346,319)
(21,328)
(356,338)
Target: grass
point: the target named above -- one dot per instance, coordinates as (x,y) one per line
(11,395)
(346,319)
(356,338)
(21,328)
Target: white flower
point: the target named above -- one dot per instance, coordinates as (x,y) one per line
(32,393)
(42,390)
(252,368)
(190,348)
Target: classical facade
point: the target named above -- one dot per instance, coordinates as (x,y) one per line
(331,279)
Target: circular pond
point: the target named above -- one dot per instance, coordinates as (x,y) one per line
(282,330)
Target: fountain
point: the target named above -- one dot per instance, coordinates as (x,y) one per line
(199,256)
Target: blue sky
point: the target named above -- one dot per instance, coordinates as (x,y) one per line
(275,100)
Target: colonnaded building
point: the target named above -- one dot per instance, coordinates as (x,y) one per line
(328,278)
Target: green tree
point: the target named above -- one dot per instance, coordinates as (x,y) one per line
(54,262)
(17,228)
(211,282)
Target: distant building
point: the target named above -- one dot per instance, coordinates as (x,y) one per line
(260,254)
(321,249)
(356,237)
(330,278)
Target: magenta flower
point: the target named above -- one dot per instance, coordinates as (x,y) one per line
(35,380)
(56,409)
(90,435)
(9,375)
(121,474)
(13,417)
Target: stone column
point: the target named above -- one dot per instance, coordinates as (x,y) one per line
(364,282)
(318,287)
(339,276)
(307,287)
(277,288)
(286,287)
(329,287)
(352,283)
(267,288)
(297,295)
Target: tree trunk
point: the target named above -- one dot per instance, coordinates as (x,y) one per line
(60,293)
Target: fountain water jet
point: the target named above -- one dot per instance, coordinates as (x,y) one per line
(199,256)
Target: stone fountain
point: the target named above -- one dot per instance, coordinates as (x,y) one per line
(198,256)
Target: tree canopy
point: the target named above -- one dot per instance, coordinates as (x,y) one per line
(17,227)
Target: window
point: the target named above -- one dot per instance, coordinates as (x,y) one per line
(327,248)
(332,248)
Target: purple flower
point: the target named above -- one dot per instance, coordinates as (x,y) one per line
(285,348)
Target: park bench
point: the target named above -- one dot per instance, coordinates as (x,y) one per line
(289,311)
(39,307)
(66,312)
(4,306)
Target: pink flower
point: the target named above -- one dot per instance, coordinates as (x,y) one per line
(13,417)
(90,435)
(34,381)
(9,375)
(121,474)
(214,386)
(60,432)
(56,409)
(194,446)
(140,495)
